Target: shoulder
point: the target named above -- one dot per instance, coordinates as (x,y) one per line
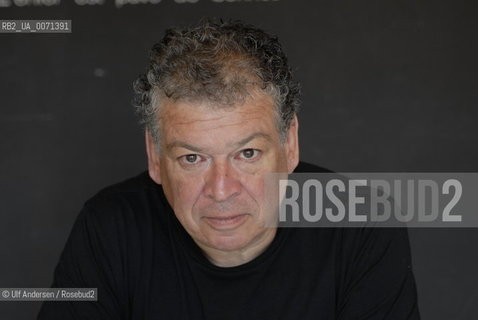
(129,187)
(308,167)
(133,191)
(132,205)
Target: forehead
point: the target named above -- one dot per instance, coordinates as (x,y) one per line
(201,122)
(190,114)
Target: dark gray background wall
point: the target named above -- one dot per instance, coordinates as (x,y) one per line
(387,86)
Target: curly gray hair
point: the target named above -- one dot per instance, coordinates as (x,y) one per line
(218,62)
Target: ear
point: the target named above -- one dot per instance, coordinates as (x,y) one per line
(153,158)
(292,145)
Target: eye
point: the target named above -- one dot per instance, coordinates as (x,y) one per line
(190,159)
(249,154)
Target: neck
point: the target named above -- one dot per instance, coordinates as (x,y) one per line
(233,258)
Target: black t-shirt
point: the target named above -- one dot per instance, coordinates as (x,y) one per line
(128,243)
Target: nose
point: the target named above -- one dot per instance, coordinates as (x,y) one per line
(222,182)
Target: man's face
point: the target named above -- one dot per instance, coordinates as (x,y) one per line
(212,166)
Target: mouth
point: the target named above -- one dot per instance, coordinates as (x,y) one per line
(226,223)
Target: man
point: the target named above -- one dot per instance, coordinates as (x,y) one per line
(187,240)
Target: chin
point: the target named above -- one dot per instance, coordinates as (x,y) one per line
(229,242)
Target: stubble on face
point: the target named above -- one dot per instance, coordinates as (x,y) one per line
(219,199)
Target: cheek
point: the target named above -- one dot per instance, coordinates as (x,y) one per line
(254,187)
(256,182)
(183,193)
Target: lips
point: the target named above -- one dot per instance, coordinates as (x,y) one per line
(225,223)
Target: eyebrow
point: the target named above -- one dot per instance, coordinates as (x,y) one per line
(181,144)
